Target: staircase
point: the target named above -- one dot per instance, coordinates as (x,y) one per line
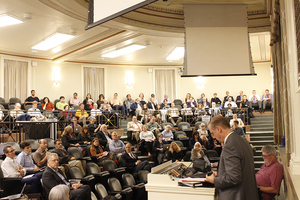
(261,134)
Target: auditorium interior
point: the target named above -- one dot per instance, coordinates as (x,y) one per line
(80,65)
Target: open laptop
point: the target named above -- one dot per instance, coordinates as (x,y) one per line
(16,196)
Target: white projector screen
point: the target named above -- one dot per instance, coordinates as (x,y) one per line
(216,41)
(101,11)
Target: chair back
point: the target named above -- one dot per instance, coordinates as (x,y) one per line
(16,147)
(179,134)
(183,125)
(92,168)
(75,173)
(11,107)
(27,107)
(55,101)
(75,152)
(88,150)
(109,165)
(12,101)
(188,155)
(2,107)
(163,125)
(198,125)
(33,144)
(76,107)
(143,175)
(211,153)
(178,107)
(2,100)
(179,143)
(50,143)
(114,185)
(128,180)
(177,101)
(101,191)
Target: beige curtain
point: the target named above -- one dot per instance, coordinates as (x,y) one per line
(99,82)
(93,81)
(15,79)
(165,84)
(88,81)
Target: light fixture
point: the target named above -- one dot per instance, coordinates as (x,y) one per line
(6,20)
(53,41)
(200,81)
(56,76)
(176,54)
(129,79)
(56,49)
(124,50)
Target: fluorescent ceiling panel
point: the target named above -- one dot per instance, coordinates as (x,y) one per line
(101,11)
(123,51)
(176,54)
(6,20)
(52,41)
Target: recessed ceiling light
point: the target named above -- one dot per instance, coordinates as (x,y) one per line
(176,54)
(6,20)
(56,49)
(52,41)
(123,51)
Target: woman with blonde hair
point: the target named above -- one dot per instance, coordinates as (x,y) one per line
(188,97)
(68,139)
(175,154)
(197,151)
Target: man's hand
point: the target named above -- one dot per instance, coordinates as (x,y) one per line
(77,145)
(76,186)
(138,162)
(36,168)
(211,178)
(72,158)
(47,154)
(22,172)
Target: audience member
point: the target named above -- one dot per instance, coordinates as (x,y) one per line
(205,103)
(154,126)
(166,97)
(200,100)
(147,138)
(47,105)
(157,114)
(237,129)
(226,98)
(175,154)
(142,98)
(168,134)
(145,113)
(230,101)
(67,114)
(65,158)
(136,106)
(104,136)
(133,129)
(229,112)
(191,103)
(185,111)
(200,112)
(34,111)
(267,98)
(53,176)
(235,118)
(270,175)
(24,158)
(155,100)
(214,111)
(95,112)
(116,146)
(158,146)
(93,128)
(127,103)
(197,151)
(174,115)
(245,104)
(12,169)
(203,133)
(81,114)
(132,162)
(84,136)
(214,144)
(165,104)
(85,101)
(104,105)
(254,99)
(215,99)
(117,104)
(40,155)
(18,114)
(61,104)
(195,138)
(151,104)
(68,139)
(32,98)
(74,101)
(98,152)
(188,97)
(59,192)
(101,99)
(89,106)
(239,98)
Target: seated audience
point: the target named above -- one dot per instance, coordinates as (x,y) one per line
(200,112)
(166,97)
(237,129)
(40,155)
(157,114)
(104,105)
(93,128)
(158,146)
(185,111)
(188,97)
(213,111)
(12,169)
(254,99)
(61,104)
(98,152)
(24,158)
(267,98)
(191,103)
(154,126)
(47,105)
(203,134)
(151,104)
(32,98)
(89,106)
(34,111)
(142,97)
(104,136)
(18,114)
(65,158)
(147,137)
(67,114)
(214,144)
(229,112)
(117,104)
(200,100)
(165,104)
(84,136)
(245,104)
(168,134)
(74,100)
(59,192)
(116,146)
(270,175)
(174,115)
(215,99)
(88,96)
(132,162)
(195,138)
(101,99)
(155,100)
(239,98)
(73,123)
(205,103)
(136,106)
(226,98)
(53,176)
(127,103)
(81,114)
(145,113)
(235,118)
(68,139)
(133,129)
(230,101)
(197,151)
(175,154)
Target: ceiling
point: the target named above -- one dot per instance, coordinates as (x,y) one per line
(159,26)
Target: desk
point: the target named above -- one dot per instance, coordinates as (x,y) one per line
(160,186)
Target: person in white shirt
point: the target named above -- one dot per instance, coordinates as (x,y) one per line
(95,111)
(133,129)
(234,118)
(166,97)
(148,138)
(233,104)
(168,134)
(12,169)
(254,99)
(34,111)
(174,115)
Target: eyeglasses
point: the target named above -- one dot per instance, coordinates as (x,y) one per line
(265,156)
(11,151)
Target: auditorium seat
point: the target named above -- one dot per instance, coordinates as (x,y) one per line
(111,166)
(50,143)
(139,191)
(100,177)
(102,192)
(34,144)
(76,173)
(198,124)
(75,152)
(143,176)
(115,188)
(186,127)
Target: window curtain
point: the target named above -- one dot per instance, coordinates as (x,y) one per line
(88,81)
(99,82)
(165,84)
(93,81)
(15,79)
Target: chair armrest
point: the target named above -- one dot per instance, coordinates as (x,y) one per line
(118,196)
(88,178)
(11,179)
(86,158)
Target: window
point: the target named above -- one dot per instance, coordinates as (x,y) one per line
(93,81)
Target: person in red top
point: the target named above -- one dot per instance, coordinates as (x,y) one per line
(269,177)
(47,105)
(66,113)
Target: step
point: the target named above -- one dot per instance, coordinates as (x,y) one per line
(258,158)
(262,142)
(261,119)
(259,147)
(262,137)
(262,129)
(258,164)
(261,125)
(260,134)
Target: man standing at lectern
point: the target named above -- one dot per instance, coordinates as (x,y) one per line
(235,178)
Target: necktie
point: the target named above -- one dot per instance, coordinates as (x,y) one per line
(254,99)
(138,127)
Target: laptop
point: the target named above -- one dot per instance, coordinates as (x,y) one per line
(16,196)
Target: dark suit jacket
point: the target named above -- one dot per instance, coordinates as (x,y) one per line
(216,100)
(102,138)
(226,99)
(236,175)
(63,159)
(51,179)
(149,105)
(67,140)
(128,162)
